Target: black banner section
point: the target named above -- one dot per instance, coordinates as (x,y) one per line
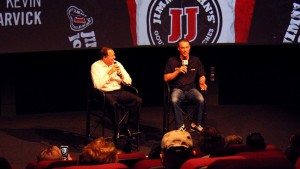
(50,25)
(275,22)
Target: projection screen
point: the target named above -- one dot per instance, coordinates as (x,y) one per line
(53,25)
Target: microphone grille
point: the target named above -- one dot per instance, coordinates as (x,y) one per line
(185,62)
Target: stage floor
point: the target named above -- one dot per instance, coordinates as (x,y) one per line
(22,137)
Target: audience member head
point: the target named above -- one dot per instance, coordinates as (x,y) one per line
(51,153)
(98,151)
(295,141)
(233,139)
(293,150)
(177,147)
(256,140)
(210,139)
(4,163)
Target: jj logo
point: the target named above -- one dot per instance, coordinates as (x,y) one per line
(176,22)
(169,21)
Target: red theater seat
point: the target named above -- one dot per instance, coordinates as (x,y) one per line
(149,164)
(100,166)
(197,163)
(53,164)
(297,165)
(130,159)
(31,164)
(231,150)
(245,160)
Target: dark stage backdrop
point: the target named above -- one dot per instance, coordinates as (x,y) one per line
(56,25)
(244,74)
(47,47)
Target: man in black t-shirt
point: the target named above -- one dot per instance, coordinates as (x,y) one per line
(183,73)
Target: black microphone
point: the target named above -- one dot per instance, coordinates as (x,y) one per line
(118,72)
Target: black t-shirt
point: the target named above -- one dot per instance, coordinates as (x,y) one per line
(188,80)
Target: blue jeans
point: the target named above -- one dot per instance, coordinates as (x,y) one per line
(193,96)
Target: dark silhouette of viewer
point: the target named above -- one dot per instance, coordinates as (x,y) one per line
(293,150)
(233,139)
(4,163)
(233,144)
(210,139)
(256,140)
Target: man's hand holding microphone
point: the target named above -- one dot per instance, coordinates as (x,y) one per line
(183,68)
(117,69)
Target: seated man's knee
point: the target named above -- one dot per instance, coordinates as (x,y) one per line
(139,100)
(114,105)
(200,99)
(174,100)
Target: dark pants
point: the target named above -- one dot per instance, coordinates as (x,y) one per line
(119,99)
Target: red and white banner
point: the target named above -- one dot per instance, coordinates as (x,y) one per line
(163,22)
(50,25)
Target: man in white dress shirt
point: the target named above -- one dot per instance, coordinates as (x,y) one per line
(109,75)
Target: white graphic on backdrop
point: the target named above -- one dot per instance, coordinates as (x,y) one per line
(78,22)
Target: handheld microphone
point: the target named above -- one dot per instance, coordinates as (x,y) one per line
(118,70)
(185,62)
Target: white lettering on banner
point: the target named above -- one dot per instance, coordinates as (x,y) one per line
(16,18)
(208,36)
(293,28)
(208,9)
(158,10)
(88,37)
(23,3)
(158,38)
(20,18)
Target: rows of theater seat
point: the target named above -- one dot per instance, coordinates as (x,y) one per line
(270,158)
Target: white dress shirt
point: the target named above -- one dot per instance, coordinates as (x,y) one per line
(105,82)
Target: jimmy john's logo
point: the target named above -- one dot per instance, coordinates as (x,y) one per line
(168,21)
(78,20)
